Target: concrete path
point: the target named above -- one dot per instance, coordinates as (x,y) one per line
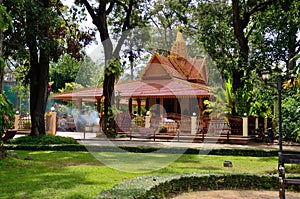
(91,139)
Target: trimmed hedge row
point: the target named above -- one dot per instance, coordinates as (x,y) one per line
(146,149)
(162,187)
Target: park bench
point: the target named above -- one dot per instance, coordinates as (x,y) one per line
(285,158)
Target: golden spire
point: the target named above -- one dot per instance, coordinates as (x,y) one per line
(179,49)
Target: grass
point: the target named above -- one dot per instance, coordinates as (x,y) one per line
(61,174)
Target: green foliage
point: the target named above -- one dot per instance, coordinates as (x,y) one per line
(70,87)
(6,115)
(114,67)
(223,103)
(138,121)
(5,19)
(42,140)
(67,70)
(213,22)
(291,118)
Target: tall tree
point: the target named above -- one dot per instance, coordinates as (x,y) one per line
(122,16)
(242,12)
(228,29)
(279,40)
(38,40)
(40,34)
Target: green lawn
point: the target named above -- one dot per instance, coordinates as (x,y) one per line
(60,174)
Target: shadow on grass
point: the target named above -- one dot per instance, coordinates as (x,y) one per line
(43,178)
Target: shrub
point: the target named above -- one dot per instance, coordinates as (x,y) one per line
(291,118)
(43,140)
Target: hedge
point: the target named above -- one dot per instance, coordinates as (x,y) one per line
(162,187)
(146,149)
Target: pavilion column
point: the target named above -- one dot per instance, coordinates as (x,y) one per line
(175,105)
(200,101)
(118,102)
(147,104)
(79,105)
(139,106)
(130,106)
(161,103)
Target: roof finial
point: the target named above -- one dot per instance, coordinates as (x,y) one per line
(179,27)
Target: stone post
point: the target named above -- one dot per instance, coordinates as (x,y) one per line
(245,125)
(53,123)
(17,120)
(194,124)
(50,123)
(147,121)
(256,123)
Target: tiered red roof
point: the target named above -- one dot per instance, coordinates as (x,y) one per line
(177,75)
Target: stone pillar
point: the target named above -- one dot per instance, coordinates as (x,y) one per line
(147,119)
(17,120)
(53,123)
(245,126)
(50,123)
(256,122)
(194,124)
(265,124)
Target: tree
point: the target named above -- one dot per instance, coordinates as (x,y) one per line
(121,16)
(228,31)
(278,38)
(40,34)
(5,22)
(68,69)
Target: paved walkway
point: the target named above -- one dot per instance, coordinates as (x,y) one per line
(91,139)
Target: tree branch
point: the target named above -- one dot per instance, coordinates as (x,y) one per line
(261,7)
(91,11)
(125,27)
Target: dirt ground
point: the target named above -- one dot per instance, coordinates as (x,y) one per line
(236,194)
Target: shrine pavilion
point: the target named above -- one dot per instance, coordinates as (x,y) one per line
(176,83)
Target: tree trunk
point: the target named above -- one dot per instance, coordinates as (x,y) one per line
(99,17)
(108,123)
(39,70)
(38,96)
(239,24)
(292,45)
(1,62)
